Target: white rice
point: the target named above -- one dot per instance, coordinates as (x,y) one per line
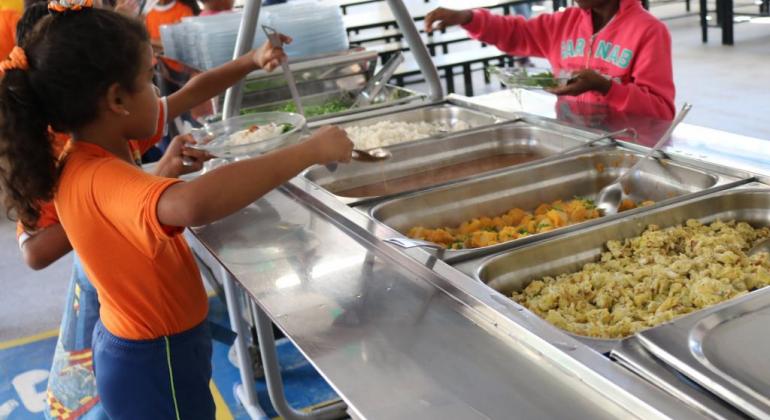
(386,133)
(249,136)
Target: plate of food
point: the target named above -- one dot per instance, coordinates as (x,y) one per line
(528,77)
(251,134)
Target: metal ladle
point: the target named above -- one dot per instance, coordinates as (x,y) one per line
(761,246)
(609,197)
(372,155)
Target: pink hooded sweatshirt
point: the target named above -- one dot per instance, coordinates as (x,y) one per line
(633,50)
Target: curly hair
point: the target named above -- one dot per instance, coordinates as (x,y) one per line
(74,57)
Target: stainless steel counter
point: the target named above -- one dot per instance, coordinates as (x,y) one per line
(397,340)
(399,334)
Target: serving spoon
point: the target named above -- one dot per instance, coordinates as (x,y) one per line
(609,197)
(371,155)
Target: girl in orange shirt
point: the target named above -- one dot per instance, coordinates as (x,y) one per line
(8,20)
(151,348)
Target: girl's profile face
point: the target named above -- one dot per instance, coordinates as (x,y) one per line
(142,103)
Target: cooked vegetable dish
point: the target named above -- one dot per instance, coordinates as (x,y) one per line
(516,223)
(653,278)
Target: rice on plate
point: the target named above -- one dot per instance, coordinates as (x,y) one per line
(257,133)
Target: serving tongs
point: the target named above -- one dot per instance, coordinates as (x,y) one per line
(275,40)
(378,81)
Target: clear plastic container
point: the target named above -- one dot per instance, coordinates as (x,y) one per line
(531,78)
(218,138)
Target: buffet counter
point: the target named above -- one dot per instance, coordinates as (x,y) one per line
(402,331)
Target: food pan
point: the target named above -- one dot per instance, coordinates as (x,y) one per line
(581,175)
(337,103)
(421,164)
(513,270)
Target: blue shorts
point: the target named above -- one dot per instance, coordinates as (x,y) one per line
(166,378)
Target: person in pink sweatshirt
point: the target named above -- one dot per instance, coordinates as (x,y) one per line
(617,53)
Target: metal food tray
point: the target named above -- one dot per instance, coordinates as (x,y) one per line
(442,112)
(419,157)
(390,96)
(724,348)
(579,175)
(346,70)
(633,356)
(514,270)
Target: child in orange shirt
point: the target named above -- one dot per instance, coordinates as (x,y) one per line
(167,12)
(213,7)
(8,20)
(151,347)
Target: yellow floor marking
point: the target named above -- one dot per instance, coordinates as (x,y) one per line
(223,411)
(26,340)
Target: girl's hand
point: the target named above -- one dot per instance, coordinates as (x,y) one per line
(584,81)
(268,57)
(330,144)
(180,159)
(444,18)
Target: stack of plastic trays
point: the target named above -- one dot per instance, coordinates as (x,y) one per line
(316,27)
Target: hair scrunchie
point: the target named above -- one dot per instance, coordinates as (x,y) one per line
(70,5)
(17,60)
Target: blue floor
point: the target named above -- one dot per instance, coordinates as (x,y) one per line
(24,373)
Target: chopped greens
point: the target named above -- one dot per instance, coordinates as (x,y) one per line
(331,106)
(543,80)
(521,78)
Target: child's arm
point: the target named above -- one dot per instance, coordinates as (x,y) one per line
(514,35)
(213,82)
(227,189)
(45,246)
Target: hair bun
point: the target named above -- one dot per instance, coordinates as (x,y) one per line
(69,5)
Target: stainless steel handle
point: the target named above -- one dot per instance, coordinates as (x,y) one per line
(378,81)
(663,139)
(407,243)
(598,139)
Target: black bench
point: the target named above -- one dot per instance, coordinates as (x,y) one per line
(448,62)
(437,40)
(387,35)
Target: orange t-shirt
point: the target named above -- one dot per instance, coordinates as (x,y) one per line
(148,282)
(165,14)
(8,20)
(48,216)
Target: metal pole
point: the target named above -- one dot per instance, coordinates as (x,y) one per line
(420,52)
(273,375)
(243,44)
(245,365)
